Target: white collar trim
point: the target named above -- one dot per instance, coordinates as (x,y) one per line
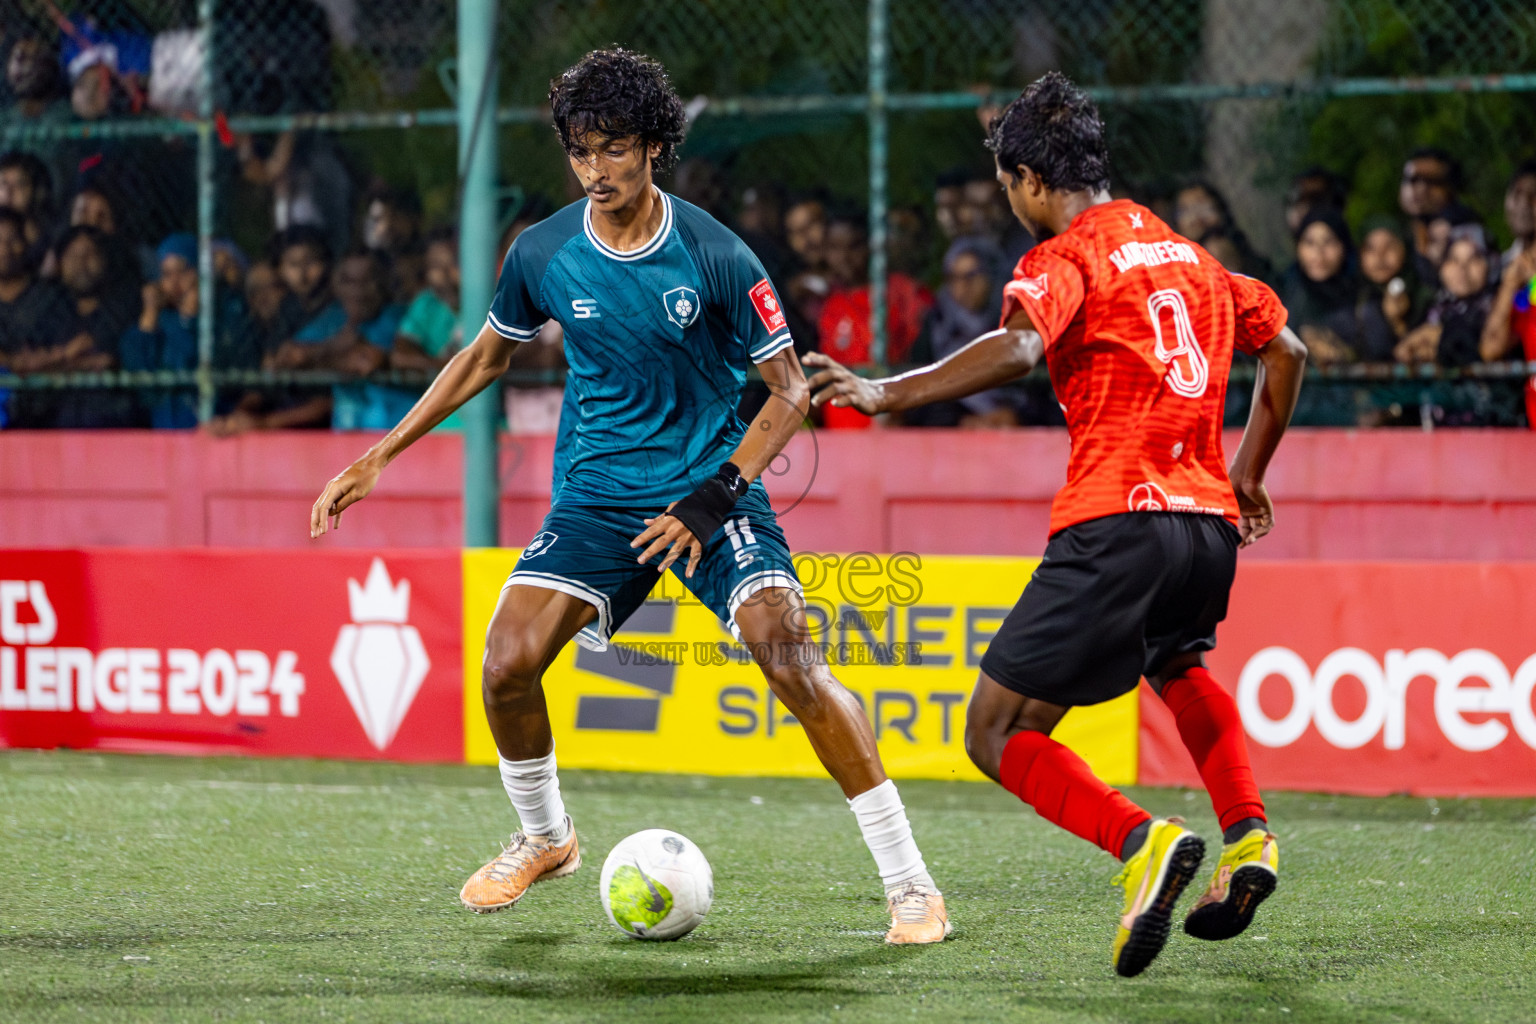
(645,250)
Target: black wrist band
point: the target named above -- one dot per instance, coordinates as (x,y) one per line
(706,508)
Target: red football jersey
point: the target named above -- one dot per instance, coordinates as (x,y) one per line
(1139,326)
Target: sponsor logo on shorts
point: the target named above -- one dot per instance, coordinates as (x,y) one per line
(541,543)
(682,306)
(767,305)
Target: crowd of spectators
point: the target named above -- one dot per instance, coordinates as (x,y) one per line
(353,281)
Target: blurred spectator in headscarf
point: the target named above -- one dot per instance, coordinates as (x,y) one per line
(1319,289)
(1200,211)
(166,335)
(230,264)
(1392,299)
(1453,328)
(1437,236)
(967,306)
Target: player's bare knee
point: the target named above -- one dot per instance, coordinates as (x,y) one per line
(984,741)
(511,671)
(799,687)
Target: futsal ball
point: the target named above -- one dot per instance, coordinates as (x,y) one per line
(656,884)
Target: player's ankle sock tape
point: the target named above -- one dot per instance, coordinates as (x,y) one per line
(1232,833)
(534,789)
(883,821)
(1212,730)
(706,508)
(1063,789)
(1134,838)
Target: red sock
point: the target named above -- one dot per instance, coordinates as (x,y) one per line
(1212,729)
(1060,785)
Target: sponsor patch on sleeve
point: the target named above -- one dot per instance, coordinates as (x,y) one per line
(767,305)
(1034,287)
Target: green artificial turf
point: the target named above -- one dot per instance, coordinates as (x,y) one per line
(163,889)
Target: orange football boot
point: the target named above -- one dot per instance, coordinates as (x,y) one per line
(525,860)
(917,916)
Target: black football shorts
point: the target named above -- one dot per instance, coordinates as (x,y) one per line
(1115,599)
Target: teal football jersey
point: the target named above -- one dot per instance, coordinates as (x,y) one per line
(658,341)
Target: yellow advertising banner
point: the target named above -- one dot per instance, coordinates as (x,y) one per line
(675,693)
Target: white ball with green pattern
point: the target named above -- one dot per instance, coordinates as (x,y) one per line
(656,884)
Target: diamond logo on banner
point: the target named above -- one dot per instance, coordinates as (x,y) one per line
(379,658)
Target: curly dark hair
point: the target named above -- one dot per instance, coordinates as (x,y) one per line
(1054,129)
(617,93)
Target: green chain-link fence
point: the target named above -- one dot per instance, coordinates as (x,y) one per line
(229,118)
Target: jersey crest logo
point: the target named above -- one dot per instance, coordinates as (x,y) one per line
(767,305)
(682,306)
(540,544)
(1034,287)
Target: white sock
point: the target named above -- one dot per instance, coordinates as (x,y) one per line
(534,789)
(883,820)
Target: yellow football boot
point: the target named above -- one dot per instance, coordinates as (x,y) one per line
(1245,876)
(1153,880)
(525,860)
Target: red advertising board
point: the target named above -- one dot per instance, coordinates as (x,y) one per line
(320,654)
(1374,678)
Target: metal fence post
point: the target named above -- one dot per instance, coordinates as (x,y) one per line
(206,198)
(879,155)
(477,244)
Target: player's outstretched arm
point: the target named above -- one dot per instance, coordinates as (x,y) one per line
(1281,364)
(465,376)
(994,358)
(693,520)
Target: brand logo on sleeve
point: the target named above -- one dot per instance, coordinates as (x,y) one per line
(767,305)
(1034,287)
(682,306)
